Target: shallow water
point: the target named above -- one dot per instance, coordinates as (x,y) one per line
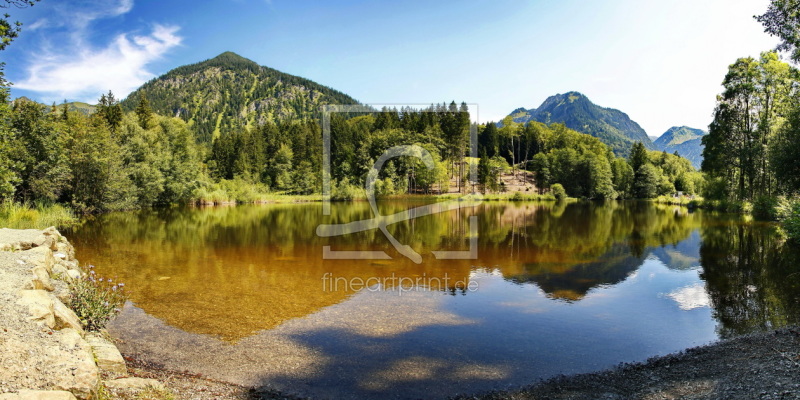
(243,294)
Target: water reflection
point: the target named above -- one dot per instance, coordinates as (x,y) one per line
(233,271)
(752,275)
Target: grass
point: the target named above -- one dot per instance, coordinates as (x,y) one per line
(152,393)
(518,196)
(37,216)
(686,201)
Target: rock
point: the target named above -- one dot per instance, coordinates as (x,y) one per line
(40,305)
(41,256)
(60,271)
(133,384)
(55,235)
(67,264)
(42,279)
(84,376)
(66,318)
(66,249)
(39,395)
(74,274)
(43,240)
(18,239)
(107,356)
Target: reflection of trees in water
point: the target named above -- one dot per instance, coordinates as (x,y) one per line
(587,245)
(752,277)
(264,262)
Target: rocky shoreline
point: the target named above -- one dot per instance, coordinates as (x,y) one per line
(44,351)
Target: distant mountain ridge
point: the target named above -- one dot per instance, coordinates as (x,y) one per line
(686,141)
(227,92)
(573,109)
(73,106)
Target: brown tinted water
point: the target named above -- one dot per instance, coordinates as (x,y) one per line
(244,294)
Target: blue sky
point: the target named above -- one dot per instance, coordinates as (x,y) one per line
(660,62)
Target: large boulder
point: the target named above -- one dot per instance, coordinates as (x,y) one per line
(41,278)
(39,305)
(42,256)
(82,376)
(65,317)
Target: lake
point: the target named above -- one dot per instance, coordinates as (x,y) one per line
(244,294)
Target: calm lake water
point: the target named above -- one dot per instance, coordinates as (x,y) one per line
(243,294)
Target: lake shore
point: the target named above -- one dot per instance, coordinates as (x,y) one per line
(755,366)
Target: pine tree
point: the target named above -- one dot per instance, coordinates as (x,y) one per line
(143,111)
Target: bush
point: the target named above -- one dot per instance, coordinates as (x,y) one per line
(783,208)
(792,222)
(343,191)
(558,191)
(765,207)
(95,300)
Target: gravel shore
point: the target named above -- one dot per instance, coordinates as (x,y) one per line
(756,366)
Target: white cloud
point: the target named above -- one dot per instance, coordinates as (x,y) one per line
(81,14)
(691,297)
(79,68)
(85,74)
(40,23)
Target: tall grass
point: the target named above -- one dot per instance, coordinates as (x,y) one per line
(691,202)
(238,191)
(37,216)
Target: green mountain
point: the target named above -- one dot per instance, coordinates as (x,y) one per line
(75,106)
(228,92)
(577,112)
(685,140)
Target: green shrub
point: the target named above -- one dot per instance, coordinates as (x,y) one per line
(558,191)
(95,300)
(792,223)
(743,207)
(765,207)
(783,208)
(343,190)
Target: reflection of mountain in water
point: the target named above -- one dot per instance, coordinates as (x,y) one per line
(681,256)
(231,272)
(573,282)
(586,246)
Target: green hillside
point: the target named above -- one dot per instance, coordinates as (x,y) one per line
(576,111)
(228,92)
(75,106)
(684,140)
